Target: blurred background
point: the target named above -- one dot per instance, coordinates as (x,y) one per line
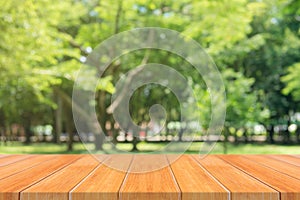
(255,45)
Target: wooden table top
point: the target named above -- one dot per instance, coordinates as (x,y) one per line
(80,177)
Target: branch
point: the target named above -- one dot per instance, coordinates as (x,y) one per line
(69,102)
(72,42)
(130,77)
(118,16)
(120,97)
(78,46)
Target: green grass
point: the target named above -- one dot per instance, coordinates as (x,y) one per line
(39,148)
(48,148)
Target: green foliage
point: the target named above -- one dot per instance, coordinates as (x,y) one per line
(219,25)
(242,106)
(292,81)
(255,44)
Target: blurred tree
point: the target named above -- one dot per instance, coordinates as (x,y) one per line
(242,106)
(292,81)
(264,55)
(39,52)
(44,43)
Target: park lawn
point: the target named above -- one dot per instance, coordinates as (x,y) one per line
(49,148)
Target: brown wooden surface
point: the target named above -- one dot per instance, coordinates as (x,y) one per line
(241,185)
(6,160)
(195,182)
(59,184)
(158,184)
(287,158)
(105,181)
(288,186)
(278,165)
(11,186)
(21,165)
(86,177)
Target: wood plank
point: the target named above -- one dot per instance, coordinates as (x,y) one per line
(288,186)
(194,181)
(58,185)
(11,186)
(158,184)
(287,158)
(240,184)
(283,167)
(6,160)
(3,155)
(190,177)
(21,165)
(105,181)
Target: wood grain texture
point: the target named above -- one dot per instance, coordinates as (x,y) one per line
(3,155)
(288,186)
(6,160)
(152,185)
(58,185)
(22,165)
(281,166)
(81,177)
(240,184)
(287,158)
(11,186)
(104,182)
(194,181)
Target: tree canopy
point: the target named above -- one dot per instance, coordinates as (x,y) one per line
(255,45)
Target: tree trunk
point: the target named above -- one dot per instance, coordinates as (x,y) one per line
(70,129)
(181,132)
(134,143)
(118,16)
(102,118)
(270,132)
(298,135)
(2,134)
(114,135)
(2,127)
(246,136)
(287,135)
(58,120)
(27,127)
(6,133)
(99,137)
(225,141)
(99,140)
(236,139)
(167,129)
(71,140)
(146,133)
